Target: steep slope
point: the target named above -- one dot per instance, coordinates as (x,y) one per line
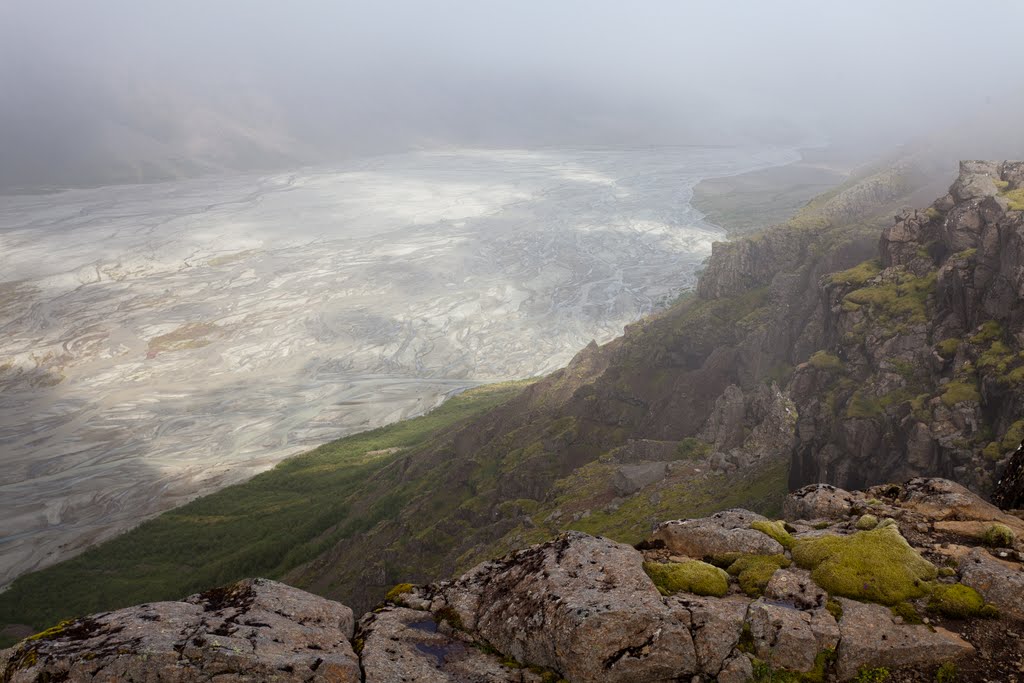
(698,408)
(898,583)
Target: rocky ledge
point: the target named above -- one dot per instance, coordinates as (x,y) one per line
(915,582)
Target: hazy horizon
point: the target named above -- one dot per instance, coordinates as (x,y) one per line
(123,91)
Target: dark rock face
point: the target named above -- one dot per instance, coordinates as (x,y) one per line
(926,345)
(1009,492)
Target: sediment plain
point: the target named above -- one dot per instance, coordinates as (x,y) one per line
(158,342)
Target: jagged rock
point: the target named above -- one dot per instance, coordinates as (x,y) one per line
(997,582)
(818,501)
(580,605)
(629,479)
(717,625)
(795,587)
(406,645)
(723,532)
(789,637)
(254,630)
(870,637)
(942,499)
(976,180)
(1009,491)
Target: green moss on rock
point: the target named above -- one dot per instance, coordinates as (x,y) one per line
(999,536)
(699,578)
(959,391)
(875,566)
(776,530)
(867,522)
(823,360)
(957,601)
(947,348)
(396,593)
(755,571)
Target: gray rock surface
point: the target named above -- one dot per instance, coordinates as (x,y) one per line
(724,532)
(999,583)
(255,630)
(580,605)
(870,637)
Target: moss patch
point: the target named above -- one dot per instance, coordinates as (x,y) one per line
(823,360)
(999,536)
(699,578)
(867,522)
(776,530)
(396,593)
(958,601)
(859,274)
(959,391)
(755,571)
(947,348)
(875,566)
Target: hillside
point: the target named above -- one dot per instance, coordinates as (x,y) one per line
(699,408)
(898,583)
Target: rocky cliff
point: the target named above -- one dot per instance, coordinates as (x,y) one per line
(809,353)
(913,582)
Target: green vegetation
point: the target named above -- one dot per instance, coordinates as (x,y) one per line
(867,522)
(1015,199)
(958,601)
(876,566)
(872,675)
(692,448)
(776,530)
(396,593)
(765,673)
(859,274)
(862,406)
(823,360)
(901,300)
(999,536)
(959,391)
(755,571)
(947,348)
(990,331)
(947,673)
(835,608)
(907,612)
(264,527)
(695,577)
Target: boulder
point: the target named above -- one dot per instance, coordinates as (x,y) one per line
(723,532)
(254,630)
(400,644)
(717,626)
(788,637)
(819,501)
(999,583)
(629,479)
(871,637)
(580,605)
(795,587)
(736,670)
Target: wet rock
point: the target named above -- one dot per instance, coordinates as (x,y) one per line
(255,630)
(723,532)
(870,637)
(998,582)
(579,605)
(400,644)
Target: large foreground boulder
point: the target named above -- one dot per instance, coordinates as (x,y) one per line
(579,605)
(254,630)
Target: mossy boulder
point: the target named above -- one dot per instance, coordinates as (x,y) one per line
(776,530)
(867,522)
(699,578)
(958,601)
(755,571)
(999,536)
(874,566)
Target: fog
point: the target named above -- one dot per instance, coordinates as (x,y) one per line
(123,90)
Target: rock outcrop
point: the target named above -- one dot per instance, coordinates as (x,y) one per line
(587,609)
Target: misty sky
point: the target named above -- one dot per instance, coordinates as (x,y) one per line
(232,83)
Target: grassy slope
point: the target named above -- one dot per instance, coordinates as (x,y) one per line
(262,527)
